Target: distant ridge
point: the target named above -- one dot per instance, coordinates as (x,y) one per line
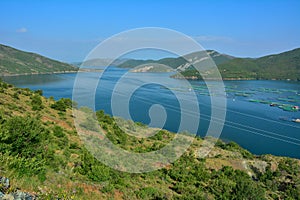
(282,66)
(180,63)
(17,62)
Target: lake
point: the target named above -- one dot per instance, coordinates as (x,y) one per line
(250,120)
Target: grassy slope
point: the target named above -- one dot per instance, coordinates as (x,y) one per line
(59,166)
(13,61)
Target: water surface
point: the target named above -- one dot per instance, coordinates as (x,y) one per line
(258,127)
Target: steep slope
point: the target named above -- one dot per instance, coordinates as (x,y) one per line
(15,62)
(285,65)
(100,62)
(181,63)
(281,66)
(42,154)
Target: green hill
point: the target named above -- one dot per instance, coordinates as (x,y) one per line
(41,153)
(180,63)
(281,66)
(16,62)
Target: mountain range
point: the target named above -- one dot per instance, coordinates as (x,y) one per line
(282,66)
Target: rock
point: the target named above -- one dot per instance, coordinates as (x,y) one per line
(5,182)
(17,195)
(8,197)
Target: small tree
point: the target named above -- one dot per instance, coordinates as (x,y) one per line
(36,102)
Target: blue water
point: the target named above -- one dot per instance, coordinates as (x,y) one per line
(258,127)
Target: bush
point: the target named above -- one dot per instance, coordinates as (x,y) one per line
(36,102)
(93,169)
(232,146)
(24,136)
(228,183)
(149,193)
(39,92)
(58,132)
(28,166)
(16,95)
(290,166)
(62,104)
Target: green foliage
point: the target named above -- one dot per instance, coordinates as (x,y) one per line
(22,145)
(36,102)
(149,193)
(115,134)
(16,95)
(62,104)
(93,169)
(74,146)
(3,85)
(23,136)
(24,166)
(39,92)
(232,146)
(290,166)
(58,132)
(228,183)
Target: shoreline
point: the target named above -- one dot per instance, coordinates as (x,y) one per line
(49,73)
(193,78)
(42,73)
(234,79)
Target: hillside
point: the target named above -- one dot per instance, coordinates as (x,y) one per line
(41,153)
(285,65)
(100,62)
(180,63)
(16,62)
(281,66)
(152,67)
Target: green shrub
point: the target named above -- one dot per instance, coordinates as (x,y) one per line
(58,132)
(149,193)
(36,102)
(290,166)
(39,92)
(62,104)
(24,136)
(74,146)
(16,95)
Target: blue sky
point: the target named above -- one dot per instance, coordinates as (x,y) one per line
(68,30)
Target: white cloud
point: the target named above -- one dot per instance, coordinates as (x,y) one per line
(22,30)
